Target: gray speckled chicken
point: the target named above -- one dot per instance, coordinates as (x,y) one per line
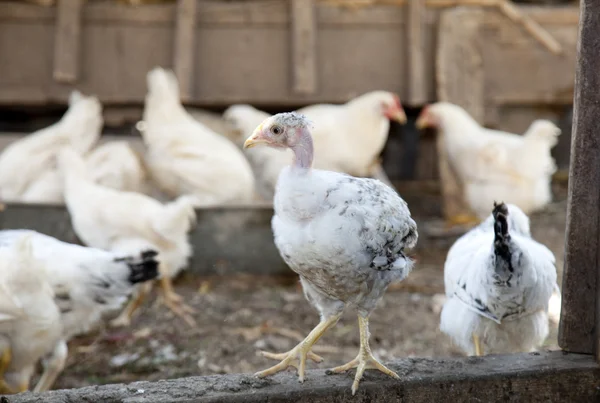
(344,236)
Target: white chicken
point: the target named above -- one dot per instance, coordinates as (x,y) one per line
(86,283)
(28,166)
(347,138)
(116,165)
(185,157)
(495,165)
(127,223)
(30,326)
(498,282)
(344,236)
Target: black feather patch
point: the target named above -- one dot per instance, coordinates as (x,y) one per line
(501,235)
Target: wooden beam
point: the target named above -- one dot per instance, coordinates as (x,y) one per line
(184,47)
(580,301)
(417,90)
(304,41)
(67,41)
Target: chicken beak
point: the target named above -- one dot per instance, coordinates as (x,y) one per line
(255,138)
(399,116)
(421,122)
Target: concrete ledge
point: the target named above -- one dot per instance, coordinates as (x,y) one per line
(536,377)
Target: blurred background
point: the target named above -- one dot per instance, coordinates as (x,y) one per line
(505,63)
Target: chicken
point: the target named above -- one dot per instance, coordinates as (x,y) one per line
(34,157)
(116,165)
(498,283)
(30,326)
(344,236)
(493,165)
(347,138)
(185,157)
(86,283)
(127,223)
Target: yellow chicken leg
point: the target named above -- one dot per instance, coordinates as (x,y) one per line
(477,343)
(5,359)
(124,318)
(175,303)
(297,356)
(365,358)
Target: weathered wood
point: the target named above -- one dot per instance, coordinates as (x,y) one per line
(537,377)
(67,41)
(303,45)
(581,279)
(184,47)
(461,79)
(417,94)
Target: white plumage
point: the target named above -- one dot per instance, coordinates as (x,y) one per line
(496,165)
(30,326)
(116,165)
(185,157)
(347,138)
(127,222)
(498,282)
(34,157)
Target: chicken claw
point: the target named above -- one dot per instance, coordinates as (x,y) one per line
(175,303)
(5,359)
(364,360)
(297,356)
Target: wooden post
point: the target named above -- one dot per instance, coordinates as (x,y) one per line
(184,46)
(417,94)
(581,279)
(304,41)
(67,41)
(460,80)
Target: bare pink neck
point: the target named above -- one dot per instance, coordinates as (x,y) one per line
(303,150)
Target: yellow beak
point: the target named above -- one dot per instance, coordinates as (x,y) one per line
(399,116)
(255,138)
(421,123)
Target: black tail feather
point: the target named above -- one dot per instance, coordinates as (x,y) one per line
(142,268)
(501,235)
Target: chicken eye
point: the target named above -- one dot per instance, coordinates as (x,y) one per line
(276,130)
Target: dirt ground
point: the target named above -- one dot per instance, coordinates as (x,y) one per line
(239,316)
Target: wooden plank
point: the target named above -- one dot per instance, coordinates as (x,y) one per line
(184,47)
(303,45)
(67,41)
(460,79)
(578,324)
(417,90)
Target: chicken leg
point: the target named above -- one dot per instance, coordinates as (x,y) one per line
(5,359)
(174,301)
(124,318)
(297,356)
(53,366)
(477,344)
(364,359)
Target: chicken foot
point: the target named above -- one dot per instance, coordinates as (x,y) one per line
(297,356)
(175,303)
(477,344)
(124,318)
(364,359)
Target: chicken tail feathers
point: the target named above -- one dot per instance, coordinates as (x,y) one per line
(502,239)
(141,268)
